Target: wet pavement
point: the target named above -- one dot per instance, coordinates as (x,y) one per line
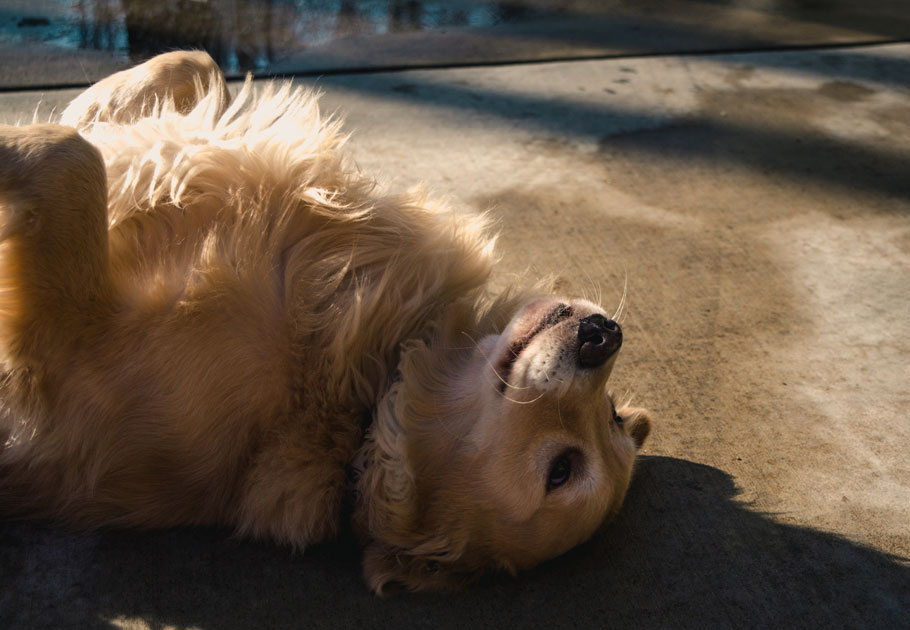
(757,206)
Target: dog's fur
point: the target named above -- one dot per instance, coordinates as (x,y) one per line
(208,316)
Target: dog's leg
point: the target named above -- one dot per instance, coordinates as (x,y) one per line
(182,76)
(54,266)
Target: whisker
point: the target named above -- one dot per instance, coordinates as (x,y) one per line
(524,402)
(493,367)
(471,347)
(625,400)
(594,287)
(503,381)
(622,300)
(620,310)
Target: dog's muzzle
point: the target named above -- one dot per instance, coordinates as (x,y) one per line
(599,339)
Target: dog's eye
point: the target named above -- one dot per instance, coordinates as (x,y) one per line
(560,471)
(618,419)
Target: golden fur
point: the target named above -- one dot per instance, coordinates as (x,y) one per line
(202,304)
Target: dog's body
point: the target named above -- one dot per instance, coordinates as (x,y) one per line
(202,305)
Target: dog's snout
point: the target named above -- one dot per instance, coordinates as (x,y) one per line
(598,339)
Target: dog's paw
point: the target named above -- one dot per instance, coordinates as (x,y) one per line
(45,169)
(42,160)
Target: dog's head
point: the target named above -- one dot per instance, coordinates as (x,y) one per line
(496,451)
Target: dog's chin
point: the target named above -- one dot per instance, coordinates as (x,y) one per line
(539,348)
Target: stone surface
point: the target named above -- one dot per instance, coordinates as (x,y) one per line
(757,208)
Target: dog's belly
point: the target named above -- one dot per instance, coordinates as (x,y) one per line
(153,417)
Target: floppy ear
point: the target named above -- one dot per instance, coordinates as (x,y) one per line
(388,569)
(637,422)
(387,510)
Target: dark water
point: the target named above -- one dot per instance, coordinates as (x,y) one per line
(247,35)
(241,34)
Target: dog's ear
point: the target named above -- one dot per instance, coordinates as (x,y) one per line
(637,422)
(388,570)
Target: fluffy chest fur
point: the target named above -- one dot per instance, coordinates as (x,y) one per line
(257,216)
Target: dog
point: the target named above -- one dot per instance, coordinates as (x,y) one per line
(209,316)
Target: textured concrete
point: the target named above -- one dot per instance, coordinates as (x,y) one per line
(758,208)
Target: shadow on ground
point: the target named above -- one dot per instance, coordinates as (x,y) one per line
(770,130)
(684,552)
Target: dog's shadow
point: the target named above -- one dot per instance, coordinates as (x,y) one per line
(684,552)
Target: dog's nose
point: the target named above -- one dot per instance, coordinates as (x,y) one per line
(598,339)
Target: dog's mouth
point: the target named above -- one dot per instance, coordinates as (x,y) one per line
(553,317)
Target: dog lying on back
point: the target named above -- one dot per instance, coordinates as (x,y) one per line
(208,316)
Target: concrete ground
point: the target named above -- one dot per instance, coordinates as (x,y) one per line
(758,208)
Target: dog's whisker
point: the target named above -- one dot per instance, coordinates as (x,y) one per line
(502,380)
(625,293)
(597,288)
(559,413)
(593,287)
(524,402)
(492,366)
(620,310)
(471,347)
(621,306)
(627,398)
(624,313)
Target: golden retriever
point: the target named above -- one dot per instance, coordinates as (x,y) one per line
(207,315)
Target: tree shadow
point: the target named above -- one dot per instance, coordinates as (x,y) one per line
(683,552)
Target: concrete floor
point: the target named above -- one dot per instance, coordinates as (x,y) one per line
(758,207)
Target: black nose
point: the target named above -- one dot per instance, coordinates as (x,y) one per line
(598,339)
